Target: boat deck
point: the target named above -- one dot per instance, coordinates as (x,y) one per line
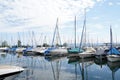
(8,69)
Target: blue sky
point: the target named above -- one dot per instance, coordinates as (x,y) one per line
(25,16)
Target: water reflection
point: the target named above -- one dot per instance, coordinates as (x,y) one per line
(61,68)
(114,67)
(100,62)
(9,77)
(55,65)
(82,65)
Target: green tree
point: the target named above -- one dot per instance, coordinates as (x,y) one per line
(4,44)
(65,44)
(19,43)
(45,45)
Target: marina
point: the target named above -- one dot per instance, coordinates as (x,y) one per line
(59,40)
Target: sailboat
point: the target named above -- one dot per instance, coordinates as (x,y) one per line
(83,51)
(75,49)
(56,48)
(19,47)
(88,51)
(113,54)
(48,50)
(29,48)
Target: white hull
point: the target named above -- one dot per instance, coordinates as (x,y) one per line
(39,49)
(86,55)
(113,58)
(59,50)
(43,51)
(3,48)
(7,69)
(90,50)
(100,54)
(20,50)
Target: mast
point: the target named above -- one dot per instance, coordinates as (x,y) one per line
(75,31)
(34,39)
(111,38)
(56,34)
(19,41)
(84,25)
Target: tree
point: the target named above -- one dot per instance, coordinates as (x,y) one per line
(19,43)
(65,44)
(4,44)
(45,45)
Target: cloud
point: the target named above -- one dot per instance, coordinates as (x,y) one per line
(16,13)
(110,4)
(41,15)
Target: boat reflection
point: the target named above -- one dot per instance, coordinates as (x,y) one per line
(54,58)
(100,62)
(82,65)
(12,77)
(55,63)
(114,67)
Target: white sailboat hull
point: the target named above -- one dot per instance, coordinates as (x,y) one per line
(86,55)
(59,50)
(7,69)
(39,50)
(20,50)
(3,48)
(113,58)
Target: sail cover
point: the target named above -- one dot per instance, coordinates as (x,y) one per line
(113,51)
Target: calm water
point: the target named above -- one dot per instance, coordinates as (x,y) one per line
(61,68)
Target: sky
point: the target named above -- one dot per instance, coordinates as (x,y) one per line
(19,19)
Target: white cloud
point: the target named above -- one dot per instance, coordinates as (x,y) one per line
(40,15)
(110,4)
(41,12)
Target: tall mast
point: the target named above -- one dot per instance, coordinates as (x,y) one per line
(111,38)
(56,34)
(75,31)
(83,30)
